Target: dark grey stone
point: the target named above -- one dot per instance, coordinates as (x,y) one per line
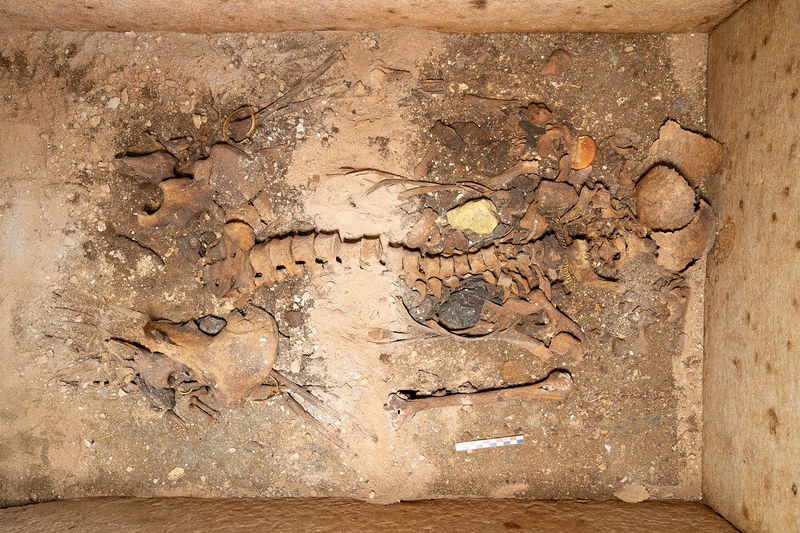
(211,325)
(462,309)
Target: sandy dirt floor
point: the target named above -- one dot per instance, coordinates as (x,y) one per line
(84,266)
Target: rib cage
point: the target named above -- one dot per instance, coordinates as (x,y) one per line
(510,267)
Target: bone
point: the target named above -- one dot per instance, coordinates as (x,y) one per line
(233,276)
(280,253)
(393,257)
(204,408)
(173,417)
(371,251)
(183,199)
(309,400)
(446,267)
(327,246)
(262,264)
(303,249)
(558,386)
(234,362)
(504,178)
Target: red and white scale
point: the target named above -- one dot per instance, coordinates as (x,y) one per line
(489,443)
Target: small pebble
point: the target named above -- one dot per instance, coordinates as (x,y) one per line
(210,324)
(175,474)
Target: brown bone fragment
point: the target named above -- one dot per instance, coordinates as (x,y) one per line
(233,276)
(581,270)
(234,362)
(678,248)
(696,157)
(153,167)
(183,199)
(504,178)
(418,235)
(557,386)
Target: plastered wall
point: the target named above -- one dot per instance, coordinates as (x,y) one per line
(472,16)
(751,460)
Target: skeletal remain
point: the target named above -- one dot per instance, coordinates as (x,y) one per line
(204,408)
(496,324)
(183,199)
(232,278)
(173,417)
(233,362)
(581,270)
(489,103)
(678,248)
(296,255)
(520,167)
(312,403)
(153,167)
(154,368)
(557,386)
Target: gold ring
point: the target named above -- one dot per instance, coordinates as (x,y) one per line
(274,394)
(191,390)
(246,138)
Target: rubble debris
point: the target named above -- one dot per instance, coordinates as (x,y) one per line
(679,248)
(664,201)
(478,216)
(695,156)
(559,62)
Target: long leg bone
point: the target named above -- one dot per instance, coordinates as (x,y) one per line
(557,386)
